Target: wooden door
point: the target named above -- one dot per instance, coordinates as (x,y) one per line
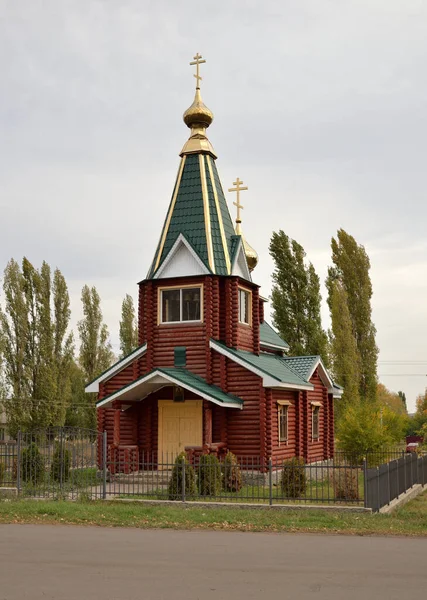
(180,425)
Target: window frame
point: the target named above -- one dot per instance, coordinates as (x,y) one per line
(249,305)
(283,409)
(315,414)
(180,288)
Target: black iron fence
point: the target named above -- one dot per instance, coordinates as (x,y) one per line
(73,463)
(388,481)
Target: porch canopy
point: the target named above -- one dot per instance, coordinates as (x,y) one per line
(166,376)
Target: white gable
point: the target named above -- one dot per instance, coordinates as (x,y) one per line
(181,261)
(240,265)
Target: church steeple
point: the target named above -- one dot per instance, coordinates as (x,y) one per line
(198,224)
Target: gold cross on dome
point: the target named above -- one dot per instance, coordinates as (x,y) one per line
(238,188)
(197,61)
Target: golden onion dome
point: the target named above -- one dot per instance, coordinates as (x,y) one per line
(251,255)
(198,115)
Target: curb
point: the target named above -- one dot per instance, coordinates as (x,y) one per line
(402,500)
(242,506)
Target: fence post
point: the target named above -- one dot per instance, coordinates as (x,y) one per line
(61,459)
(270,481)
(104,465)
(183,478)
(18,463)
(365,483)
(404,471)
(388,482)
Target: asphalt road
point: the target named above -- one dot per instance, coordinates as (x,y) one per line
(64,563)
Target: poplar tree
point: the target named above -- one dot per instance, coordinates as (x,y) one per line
(128,327)
(344,355)
(37,396)
(95,348)
(296,298)
(350,268)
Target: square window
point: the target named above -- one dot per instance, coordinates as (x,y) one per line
(244,306)
(181,305)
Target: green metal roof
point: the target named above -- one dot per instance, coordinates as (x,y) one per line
(269,336)
(187,380)
(188,215)
(270,364)
(303,365)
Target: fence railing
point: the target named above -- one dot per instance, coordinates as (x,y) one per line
(71,463)
(388,481)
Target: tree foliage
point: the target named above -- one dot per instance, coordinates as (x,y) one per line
(350,271)
(95,348)
(36,349)
(296,298)
(128,327)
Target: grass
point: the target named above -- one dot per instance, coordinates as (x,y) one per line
(410,520)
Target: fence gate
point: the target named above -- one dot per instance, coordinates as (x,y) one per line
(59,462)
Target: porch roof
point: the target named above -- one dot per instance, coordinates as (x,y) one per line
(163,376)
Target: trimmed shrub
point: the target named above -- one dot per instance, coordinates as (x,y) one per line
(175,482)
(2,472)
(32,467)
(345,483)
(209,475)
(60,467)
(231,473)
(294,479)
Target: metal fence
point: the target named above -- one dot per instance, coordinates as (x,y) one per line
(388,481)
(71,463)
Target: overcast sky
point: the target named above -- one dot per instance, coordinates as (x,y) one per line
(320,107)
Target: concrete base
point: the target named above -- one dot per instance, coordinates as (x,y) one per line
(403,499)
(247,506)
(8,492)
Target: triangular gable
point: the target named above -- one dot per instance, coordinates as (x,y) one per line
(323,374)
(182,261)
(239,265)
(93,386)
(160,377)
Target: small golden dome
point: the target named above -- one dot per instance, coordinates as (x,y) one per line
(198,114)
(251,255)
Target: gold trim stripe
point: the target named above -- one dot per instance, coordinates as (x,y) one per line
(220,221)
(171,209)
(207,213)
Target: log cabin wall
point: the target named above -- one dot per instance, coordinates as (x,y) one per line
(243,426)
(316,448)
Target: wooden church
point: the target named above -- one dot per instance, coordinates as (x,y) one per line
(210,374)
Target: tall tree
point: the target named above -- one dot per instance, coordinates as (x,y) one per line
(344,356)
(350,268)
(402,397)
(95,348)
(31,347)
(128,327)
(296,298)
(63,345)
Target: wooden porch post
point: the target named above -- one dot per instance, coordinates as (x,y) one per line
(207,423)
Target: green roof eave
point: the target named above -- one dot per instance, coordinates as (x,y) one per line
(174,375)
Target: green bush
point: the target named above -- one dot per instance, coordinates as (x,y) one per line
(32,467)
(209,475)
(175,482)
(345,482)
(2,472)
(294,480)
(231,473)
(61,462)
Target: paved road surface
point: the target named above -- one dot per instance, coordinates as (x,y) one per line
(64,563)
